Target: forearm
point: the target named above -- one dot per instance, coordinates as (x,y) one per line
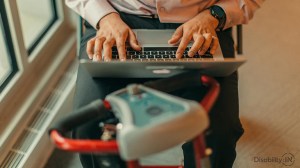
(91,10)
(239,11)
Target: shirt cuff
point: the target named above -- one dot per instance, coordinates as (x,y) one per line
(95,10)
(234,12)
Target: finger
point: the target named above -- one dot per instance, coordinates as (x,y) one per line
(98,48)
(121,47)
(214,45)
(206,45)
(176,36)
(90,48)
(107,49)
(182,46)
(199,40)
(133,41)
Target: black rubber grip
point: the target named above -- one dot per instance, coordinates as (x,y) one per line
(187,79)
(94,110)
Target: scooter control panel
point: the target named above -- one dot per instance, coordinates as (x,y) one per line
(152,121)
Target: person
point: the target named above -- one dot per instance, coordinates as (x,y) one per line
(207,23)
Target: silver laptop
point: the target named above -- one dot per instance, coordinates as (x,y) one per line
(157,60)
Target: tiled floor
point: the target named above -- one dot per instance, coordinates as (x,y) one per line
(269,90)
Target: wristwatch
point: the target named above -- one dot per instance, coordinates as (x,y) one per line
(218,13)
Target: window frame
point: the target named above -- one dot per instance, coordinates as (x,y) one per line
(37,74)
(9,45)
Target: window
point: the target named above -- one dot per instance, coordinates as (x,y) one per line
(43,29)
(35,22)
(8,66)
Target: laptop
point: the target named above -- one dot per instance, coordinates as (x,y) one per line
(157,60)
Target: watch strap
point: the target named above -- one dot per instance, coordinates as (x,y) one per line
(218,12)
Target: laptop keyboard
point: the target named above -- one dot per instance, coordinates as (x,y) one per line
(158,54)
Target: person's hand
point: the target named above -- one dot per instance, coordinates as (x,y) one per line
(113,31)
(200,29)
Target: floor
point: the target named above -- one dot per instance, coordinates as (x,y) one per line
(270,88)
(269,91)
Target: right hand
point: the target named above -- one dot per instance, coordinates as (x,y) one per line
(113,31)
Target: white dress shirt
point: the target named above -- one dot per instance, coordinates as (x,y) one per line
(168,11)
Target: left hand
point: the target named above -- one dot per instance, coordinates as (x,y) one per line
(200,29)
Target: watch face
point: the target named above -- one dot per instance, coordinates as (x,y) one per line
(216,10)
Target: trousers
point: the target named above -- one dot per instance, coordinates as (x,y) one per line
(225,126)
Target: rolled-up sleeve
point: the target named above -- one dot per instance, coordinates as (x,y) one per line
(91,10)
(239,11)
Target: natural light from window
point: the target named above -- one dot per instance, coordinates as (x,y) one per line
(34,18)
(5,65)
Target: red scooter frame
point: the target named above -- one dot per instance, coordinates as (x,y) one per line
(111,147)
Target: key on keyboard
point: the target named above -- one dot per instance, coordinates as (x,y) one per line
(157,53)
